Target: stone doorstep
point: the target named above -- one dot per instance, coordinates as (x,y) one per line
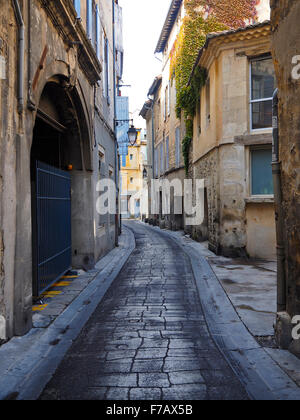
(28,363)
(266,373)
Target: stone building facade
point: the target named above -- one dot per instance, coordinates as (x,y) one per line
(57,92)
(286,55)
(167,131)
(232,143)
(230,149)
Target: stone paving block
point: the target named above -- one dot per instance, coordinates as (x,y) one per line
(148,366)
(146,394)
(154,343)
(128,344)
(173,364)
(150,334)
(186,377)
(151,353)
(116,366)
(115,380)
(181,343)
(185,392)
(117,394)
(119,354)
(152,380)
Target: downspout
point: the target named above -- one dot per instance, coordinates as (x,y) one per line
(276,169)
(117,224)
(152,143)
(153,148)
(21,55)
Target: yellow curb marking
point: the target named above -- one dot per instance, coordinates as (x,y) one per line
(62,284)
(39,307)
(51,293)
(69,277)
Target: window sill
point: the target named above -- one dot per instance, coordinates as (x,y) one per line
(260,199)
(255,138)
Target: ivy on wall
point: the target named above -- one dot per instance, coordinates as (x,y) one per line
(202,17)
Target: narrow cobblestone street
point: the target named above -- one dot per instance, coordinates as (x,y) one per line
(148,338)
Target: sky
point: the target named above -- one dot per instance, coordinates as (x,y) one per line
(142,24)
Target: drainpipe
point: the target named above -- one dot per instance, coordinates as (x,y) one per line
(153,148)
(21,56)
(152,142)
(276,169)
(117,221)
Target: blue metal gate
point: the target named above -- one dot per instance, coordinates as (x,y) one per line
(52,250)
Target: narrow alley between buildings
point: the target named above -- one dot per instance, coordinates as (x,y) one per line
(148,338)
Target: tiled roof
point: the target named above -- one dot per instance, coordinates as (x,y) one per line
(168,25)
(214,35)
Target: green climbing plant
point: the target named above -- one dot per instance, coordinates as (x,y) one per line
(202,17)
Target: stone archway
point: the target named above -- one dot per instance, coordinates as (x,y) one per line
(61,140)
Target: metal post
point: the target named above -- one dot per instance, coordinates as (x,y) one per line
(276,169)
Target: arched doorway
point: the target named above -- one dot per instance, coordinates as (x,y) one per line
(58,150)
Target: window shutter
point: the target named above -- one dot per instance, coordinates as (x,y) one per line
(167,153)
(162,159)
(98,25)
(89,18)
(108,71)
(77,7)
(104,63)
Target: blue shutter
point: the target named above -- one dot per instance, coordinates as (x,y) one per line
(162,159)
(167,153)
(89,18)
(77,6)
(261,171)
(107,71)
(98,25)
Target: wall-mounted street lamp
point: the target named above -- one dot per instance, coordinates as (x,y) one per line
(132,132)
(132,135)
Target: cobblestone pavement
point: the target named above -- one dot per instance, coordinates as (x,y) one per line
(147,339)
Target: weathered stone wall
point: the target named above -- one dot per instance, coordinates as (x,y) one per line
(286,45)
(208,168)
(8,125)
(260,230)
(232,200)
(52,53)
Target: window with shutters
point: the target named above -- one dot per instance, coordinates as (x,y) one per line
(263,84)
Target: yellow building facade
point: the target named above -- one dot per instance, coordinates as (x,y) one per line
(134,201)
